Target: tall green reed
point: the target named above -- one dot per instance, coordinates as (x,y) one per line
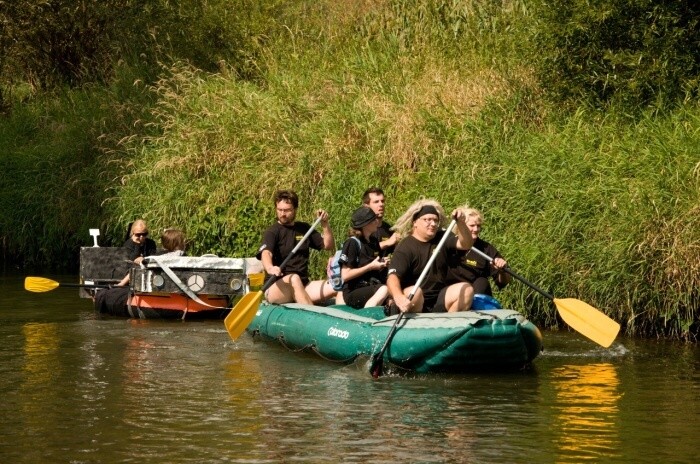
(424,100)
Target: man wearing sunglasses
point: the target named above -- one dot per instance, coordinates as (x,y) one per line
(138,244)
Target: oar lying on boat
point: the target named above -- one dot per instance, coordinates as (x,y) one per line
(378,359)
(581,316)
(244,312)
(42,284)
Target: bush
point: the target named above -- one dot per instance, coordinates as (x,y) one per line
(630,53)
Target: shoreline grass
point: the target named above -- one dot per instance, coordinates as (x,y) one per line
(594,205)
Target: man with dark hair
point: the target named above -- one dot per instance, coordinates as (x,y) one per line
(279,240)
(373,198)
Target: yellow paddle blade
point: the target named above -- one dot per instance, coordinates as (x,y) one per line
(242,314)
(588,320)
(39,284)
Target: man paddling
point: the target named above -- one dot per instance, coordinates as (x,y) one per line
(421,228)
(293,284)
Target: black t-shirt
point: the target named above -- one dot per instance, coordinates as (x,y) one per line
(281,240)
(467,266)
(411,256)
(355,257)
(383,233)
(135,250)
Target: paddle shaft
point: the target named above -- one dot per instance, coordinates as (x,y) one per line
(579,315)
(514,274)
(377,362)
(42,284)
(84,285)
(273,278)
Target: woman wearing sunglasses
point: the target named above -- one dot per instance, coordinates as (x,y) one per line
(138,244)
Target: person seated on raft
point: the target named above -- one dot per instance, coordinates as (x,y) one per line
(138,244)
(374,199)
(467,266)
(173,242)
(361,264)
(279,240)
(421,228)
(115,300)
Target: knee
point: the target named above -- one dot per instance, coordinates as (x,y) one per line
(295,281)
(468,291)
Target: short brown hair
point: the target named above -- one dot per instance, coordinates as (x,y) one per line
(173,239)
(375,190)
(288,196)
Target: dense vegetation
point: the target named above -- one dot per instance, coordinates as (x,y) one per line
(572,124)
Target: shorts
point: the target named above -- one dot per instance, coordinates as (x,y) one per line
(435,303)
(358,297)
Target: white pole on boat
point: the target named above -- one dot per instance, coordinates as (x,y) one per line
(95,233)
(378,359)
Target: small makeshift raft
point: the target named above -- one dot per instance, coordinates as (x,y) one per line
(426,342)
(165,286)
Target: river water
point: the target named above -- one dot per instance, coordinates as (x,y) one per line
(80,388)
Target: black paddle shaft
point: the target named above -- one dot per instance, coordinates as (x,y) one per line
(514,274)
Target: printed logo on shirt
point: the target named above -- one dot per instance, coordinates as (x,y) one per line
(298,237)
(469,262)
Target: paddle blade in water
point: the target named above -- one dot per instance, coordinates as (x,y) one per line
(242,314)
(588,320)
(376,367)
(39,284)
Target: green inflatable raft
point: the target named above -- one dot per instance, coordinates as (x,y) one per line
(428,342)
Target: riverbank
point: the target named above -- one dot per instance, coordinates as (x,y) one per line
(592,204)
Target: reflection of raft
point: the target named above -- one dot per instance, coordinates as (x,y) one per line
(165,287)
(429,342)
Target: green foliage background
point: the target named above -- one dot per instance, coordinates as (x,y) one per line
(581,150)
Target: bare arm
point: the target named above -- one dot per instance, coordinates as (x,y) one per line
(350,273)
(328,240)
(464,238)
(266,258)
(391,241)
(502,278)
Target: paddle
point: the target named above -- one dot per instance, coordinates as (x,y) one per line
(378,359)
(581,316)
(41,284)
(244,312)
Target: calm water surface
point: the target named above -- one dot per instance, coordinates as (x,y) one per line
(78,388)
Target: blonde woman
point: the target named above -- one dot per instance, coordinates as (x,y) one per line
(138,244)
(468,266)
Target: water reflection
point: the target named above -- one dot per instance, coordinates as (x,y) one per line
(41,343)
(586,412)
(80,388)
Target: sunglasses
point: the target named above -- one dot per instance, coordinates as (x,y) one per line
(141,234)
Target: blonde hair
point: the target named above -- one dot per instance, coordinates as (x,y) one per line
(404,224)
(471,212)
(138,224)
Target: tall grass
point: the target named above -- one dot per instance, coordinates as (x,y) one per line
(55,165)
(423,99)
